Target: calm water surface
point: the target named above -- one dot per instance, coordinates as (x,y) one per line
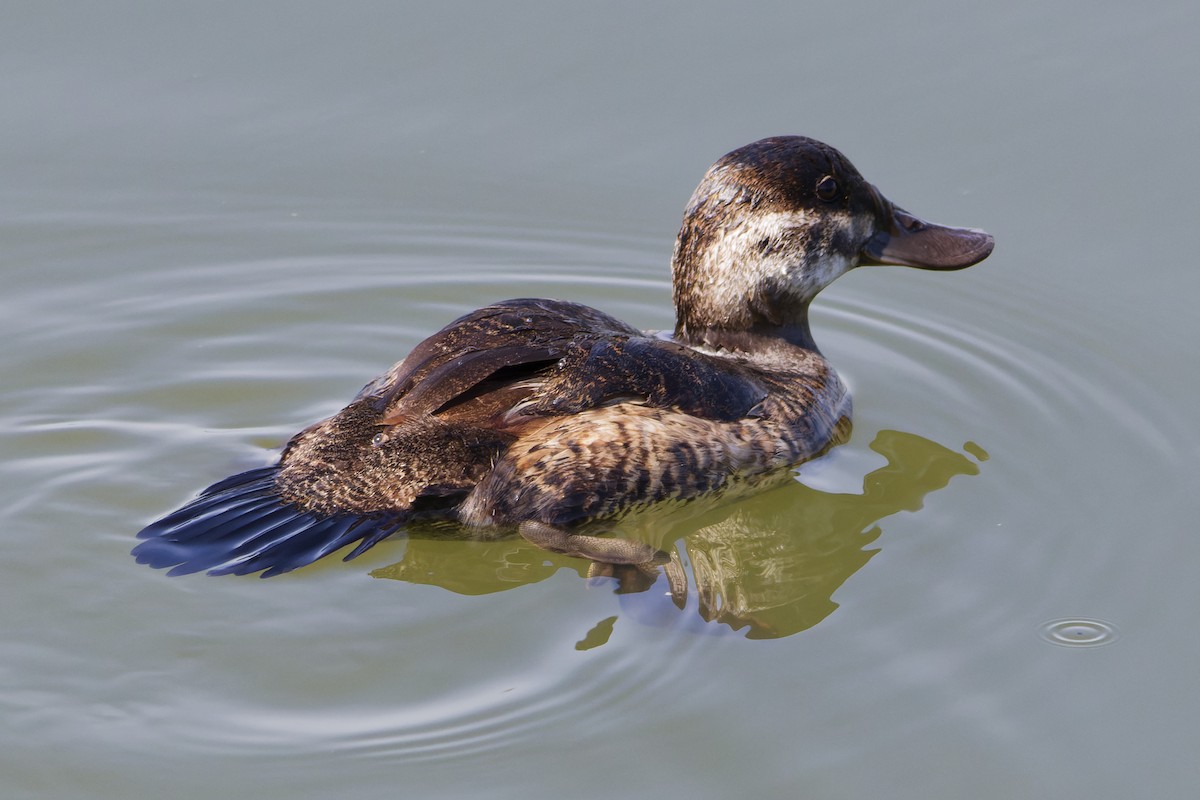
(217,227)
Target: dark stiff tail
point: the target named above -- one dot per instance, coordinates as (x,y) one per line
(241,525)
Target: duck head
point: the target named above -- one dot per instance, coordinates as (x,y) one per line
(775,222)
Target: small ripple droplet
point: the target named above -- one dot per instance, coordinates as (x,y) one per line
(1078,632)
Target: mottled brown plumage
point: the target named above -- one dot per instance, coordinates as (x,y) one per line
(541,415)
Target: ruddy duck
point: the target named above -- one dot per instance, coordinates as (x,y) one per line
(540,415)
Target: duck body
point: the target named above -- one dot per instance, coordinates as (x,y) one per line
(543,415)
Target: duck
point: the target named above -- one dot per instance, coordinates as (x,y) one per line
(551,420)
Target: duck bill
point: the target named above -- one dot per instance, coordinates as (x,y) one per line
(912,242)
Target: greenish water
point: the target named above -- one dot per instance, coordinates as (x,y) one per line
(218,223)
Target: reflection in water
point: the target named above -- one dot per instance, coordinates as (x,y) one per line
(598,635)
(770,565)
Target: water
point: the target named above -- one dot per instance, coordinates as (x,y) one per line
(217,226)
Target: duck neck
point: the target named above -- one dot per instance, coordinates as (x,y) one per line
(758,337)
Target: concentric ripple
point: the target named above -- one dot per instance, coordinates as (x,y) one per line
(1078,632)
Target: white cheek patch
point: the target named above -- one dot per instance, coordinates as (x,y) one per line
(826,271)
(791,250)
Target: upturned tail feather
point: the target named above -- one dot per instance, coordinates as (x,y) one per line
(241,525)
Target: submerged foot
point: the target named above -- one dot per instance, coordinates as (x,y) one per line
(596,548)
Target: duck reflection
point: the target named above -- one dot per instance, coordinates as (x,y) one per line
(769,564)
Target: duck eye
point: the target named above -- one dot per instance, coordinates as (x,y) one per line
(828,189)
(378,440)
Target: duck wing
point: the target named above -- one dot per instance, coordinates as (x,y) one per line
(550,358)
(495,348)
(648,371)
